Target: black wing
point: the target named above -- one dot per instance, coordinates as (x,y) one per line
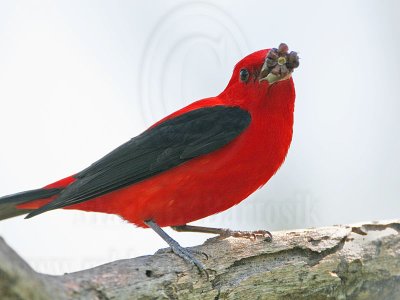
(158,149)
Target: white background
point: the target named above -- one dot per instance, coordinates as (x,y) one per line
(78,78)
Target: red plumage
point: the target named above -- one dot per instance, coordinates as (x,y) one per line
(215,181)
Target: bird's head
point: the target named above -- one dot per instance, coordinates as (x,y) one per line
(261,75)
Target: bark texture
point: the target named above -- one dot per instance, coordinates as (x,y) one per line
(359,261)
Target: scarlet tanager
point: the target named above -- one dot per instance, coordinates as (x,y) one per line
(198,161)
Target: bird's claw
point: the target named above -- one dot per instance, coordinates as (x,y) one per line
(200,253)
(188,256)
(251,235)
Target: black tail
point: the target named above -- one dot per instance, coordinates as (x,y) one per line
(8,203)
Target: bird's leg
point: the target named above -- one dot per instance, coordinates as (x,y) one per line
(224,233)
(182,252)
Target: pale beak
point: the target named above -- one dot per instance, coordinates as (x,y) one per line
(272,78)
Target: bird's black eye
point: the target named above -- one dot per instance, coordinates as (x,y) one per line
(244,75)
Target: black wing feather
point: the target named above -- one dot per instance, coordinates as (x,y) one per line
(156,150)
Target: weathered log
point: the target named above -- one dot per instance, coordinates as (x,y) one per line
(340,262)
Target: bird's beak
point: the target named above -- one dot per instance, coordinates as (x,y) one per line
(272,78)
(279,64)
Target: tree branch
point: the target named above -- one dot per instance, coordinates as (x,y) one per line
(339,262)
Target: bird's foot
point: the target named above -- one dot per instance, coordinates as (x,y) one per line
(224,233)
(182,252)
(251,235)
(188,256)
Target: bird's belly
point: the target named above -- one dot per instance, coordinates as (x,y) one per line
(196,189)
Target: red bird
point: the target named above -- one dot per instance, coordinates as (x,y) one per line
(198,161)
